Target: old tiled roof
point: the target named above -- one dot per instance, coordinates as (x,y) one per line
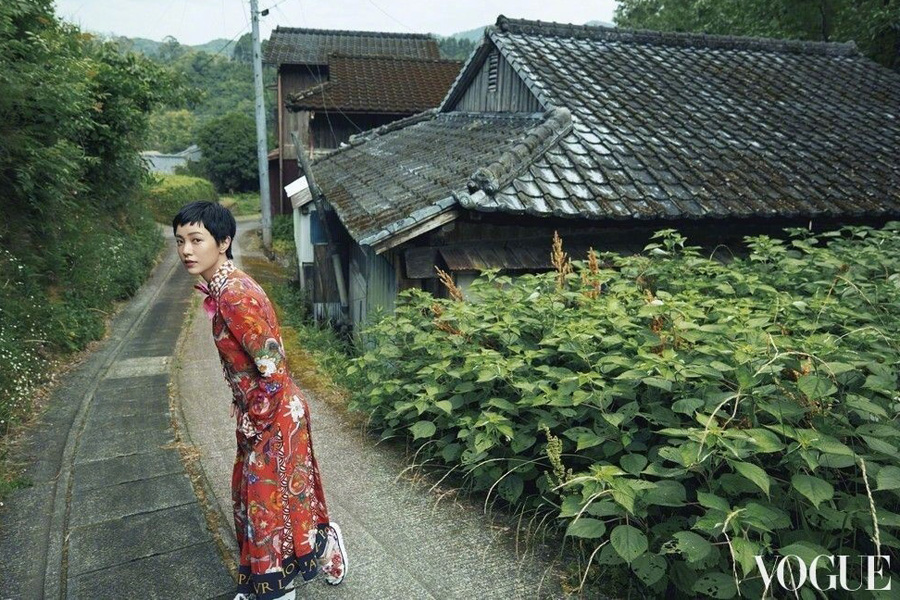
(379,83)
(408,172)
(668,125)
(291,45)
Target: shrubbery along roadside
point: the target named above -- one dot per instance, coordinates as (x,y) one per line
(678,415)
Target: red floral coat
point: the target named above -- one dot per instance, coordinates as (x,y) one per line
(279,505)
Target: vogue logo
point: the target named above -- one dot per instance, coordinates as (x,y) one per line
(792,572)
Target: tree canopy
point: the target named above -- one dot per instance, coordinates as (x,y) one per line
(229,158)
(873,24)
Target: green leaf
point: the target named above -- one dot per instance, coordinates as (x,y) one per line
(510,487)
(633,463)
(687,406)
(764,440)
(888,478)
(423,429)
(716,585)
(628,542)
(865,406)
(444,405)
(881,446)
(570,506)
(586,528)
(836,461)
(658,382)
(765,517)
(666,493)
(815,489)
(649,568)
(692,546)
(754,473)
(814,387)
(588,440)
(713,501)
(745,552)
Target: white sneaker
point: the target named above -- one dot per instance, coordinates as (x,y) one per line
(335,567)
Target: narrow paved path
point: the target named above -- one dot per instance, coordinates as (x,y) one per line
(403,542)
(111,513)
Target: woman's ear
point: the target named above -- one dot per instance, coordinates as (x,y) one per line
(224,244)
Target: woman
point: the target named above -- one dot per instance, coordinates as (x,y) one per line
(280,516)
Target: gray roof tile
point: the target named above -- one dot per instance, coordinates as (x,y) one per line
(639,125)
(388,179)
(293,45)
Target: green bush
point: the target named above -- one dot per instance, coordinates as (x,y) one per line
(690,413)
(228,144)
(170,192)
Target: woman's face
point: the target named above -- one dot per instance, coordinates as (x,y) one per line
(198,250)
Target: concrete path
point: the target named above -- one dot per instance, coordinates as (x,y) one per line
(403,542)
(111,513)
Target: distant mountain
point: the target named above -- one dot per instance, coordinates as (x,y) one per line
(216,46)
(476,34)
(473,35)
(151,47)
(600,24)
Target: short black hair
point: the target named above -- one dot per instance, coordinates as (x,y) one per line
(217,219)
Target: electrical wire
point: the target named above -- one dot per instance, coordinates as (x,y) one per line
(221,50)
(389,16)
(322,88)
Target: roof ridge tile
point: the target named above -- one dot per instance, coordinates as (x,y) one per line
(556,123)
(674,38)
(357,33)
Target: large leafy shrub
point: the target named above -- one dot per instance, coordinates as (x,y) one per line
(679,415)
(170,192)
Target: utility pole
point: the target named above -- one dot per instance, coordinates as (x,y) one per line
(261,136)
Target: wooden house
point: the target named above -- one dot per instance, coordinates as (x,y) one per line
(333,84)
(607,135)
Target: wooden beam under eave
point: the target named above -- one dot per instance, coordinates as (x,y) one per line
(416,231)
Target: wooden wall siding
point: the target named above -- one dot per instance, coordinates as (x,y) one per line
(293,79)
(330,129)
(373,284)
(511,94)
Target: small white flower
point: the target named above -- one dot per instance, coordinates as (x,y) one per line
(266,366)
(296,408)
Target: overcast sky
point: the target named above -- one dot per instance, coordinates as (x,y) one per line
(198,21)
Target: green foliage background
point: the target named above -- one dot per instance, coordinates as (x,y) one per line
(873,24)
(75,236)
(675,415)
(228,144)
(169,193)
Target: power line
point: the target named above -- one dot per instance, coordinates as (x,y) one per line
(222,49)
(322,89)
(389,16)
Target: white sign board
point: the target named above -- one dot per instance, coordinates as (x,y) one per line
(299,193)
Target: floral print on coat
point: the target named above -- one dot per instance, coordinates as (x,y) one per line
(279,506)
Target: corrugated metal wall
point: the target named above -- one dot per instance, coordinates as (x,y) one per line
(508,94)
